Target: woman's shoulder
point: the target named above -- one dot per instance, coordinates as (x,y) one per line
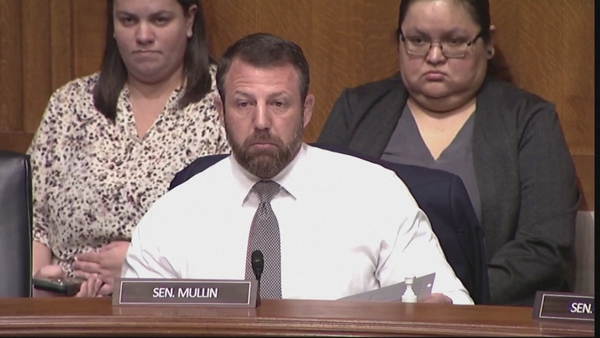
(505,101)
(376,88)
(381,94)
(501,103)
(499,91)
(78,87)
(73,98)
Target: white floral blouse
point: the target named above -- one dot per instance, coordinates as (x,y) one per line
(93,179)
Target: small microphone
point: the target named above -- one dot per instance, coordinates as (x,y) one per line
(258,263)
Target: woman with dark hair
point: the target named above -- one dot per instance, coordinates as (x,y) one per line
(447,110)
(110,143)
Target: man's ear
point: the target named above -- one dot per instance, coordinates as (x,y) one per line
(309,104)
(219,106)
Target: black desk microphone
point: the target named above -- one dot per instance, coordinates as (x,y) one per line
(258,263)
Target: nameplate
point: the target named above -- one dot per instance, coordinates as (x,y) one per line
(563,306)
(184,292)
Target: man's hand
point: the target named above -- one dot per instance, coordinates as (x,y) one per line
(106,263)
(91,287)
(437,298)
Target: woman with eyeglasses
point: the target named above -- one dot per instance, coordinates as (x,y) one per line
(446,111)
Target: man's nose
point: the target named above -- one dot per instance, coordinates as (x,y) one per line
(262,117)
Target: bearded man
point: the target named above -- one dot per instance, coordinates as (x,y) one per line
(330,225)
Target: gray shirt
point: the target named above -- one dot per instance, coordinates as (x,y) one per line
(406,146)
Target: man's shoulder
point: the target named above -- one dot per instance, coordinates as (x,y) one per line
(345,165)
(197,166)
(196,190)
(364,186)
(416,174)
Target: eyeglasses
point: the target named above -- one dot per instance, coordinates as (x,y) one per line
(451,48)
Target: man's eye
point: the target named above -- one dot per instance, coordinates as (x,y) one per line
(278,104)
(242,104)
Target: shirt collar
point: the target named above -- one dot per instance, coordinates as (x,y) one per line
(290,178)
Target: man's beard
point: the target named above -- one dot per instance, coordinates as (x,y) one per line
(265,163)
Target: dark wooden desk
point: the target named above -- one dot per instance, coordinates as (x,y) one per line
(96,316)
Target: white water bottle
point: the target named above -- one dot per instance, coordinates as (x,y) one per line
(409,295)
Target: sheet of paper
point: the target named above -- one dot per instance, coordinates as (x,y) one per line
(393,293)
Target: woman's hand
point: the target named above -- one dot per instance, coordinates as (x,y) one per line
(106,264)
(47,272)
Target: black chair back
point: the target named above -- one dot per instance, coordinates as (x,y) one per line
(16,218)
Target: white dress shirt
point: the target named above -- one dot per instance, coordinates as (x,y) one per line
(347,226)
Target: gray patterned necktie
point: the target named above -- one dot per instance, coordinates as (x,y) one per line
(264,236)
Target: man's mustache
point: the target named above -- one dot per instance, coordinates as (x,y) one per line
(263,137)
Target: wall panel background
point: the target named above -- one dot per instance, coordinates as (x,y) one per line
(548,46)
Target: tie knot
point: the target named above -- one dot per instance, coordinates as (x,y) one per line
(266,189)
